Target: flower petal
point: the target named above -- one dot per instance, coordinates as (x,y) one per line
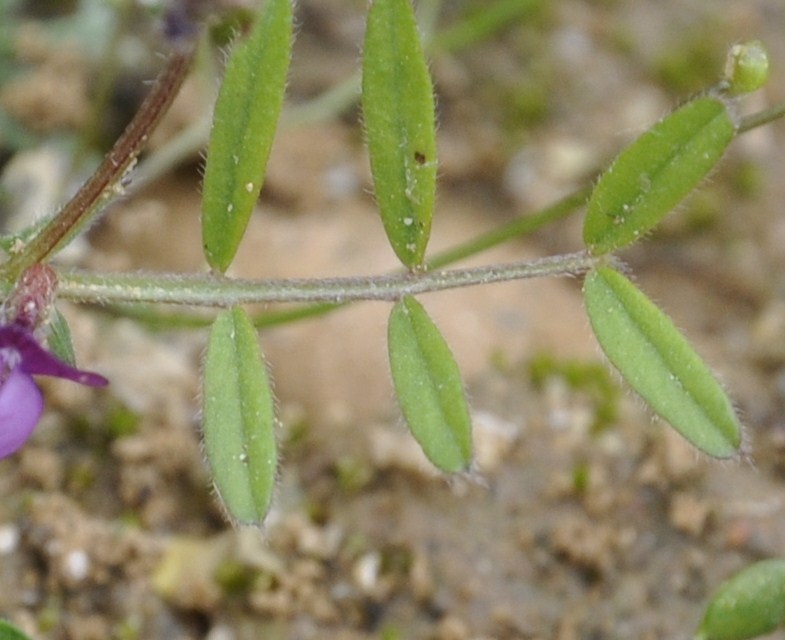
(21,405)
(35,360)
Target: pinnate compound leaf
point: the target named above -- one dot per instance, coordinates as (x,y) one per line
(398,110)
(750,604)
(656,361)
(239,418)
(651,176)
(429,387)
(244,122)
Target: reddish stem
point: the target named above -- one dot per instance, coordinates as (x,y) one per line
(110,172)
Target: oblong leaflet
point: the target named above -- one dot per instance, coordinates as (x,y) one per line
(429,387)
(244,122)
(238,418)
(651,176)
(398,110)
(656,361)
(748,605)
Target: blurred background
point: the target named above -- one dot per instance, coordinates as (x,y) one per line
(586,518)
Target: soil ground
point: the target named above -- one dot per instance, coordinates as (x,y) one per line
(576,526)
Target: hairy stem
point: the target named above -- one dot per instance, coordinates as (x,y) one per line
(762,117)
(85,206)
(211,291)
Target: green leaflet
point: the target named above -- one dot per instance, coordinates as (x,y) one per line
(653,174)
(239,418)
(750,604)
(656,361)
(59,339)
(429,387)
(10,632)
(398,109)
(244,121)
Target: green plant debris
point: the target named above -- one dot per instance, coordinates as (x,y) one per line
(590,378)
(691,63)
(122,421)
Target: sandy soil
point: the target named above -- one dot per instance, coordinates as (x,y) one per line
(574,527)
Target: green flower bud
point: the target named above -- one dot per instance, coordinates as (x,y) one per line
(747,67)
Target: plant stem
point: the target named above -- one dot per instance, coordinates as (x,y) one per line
(762,117)
(515,228)
(85,206)
(481,24)
(211,291)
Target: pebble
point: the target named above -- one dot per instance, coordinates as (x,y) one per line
(9,539)
(76,565)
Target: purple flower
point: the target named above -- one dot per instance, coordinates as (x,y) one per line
(21,402)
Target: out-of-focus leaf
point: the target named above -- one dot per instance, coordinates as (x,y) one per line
(10,632)
(750,604)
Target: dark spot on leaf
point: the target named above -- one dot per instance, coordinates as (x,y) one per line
(419,157)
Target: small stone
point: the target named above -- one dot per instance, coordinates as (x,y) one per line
(9,539)
(76,565)
(452,628)
(688,514)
